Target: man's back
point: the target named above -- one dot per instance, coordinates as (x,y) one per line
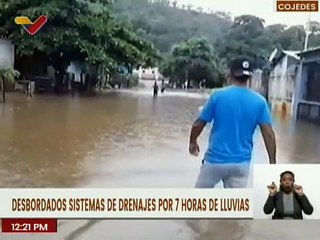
(235,112)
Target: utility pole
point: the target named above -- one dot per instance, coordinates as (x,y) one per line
(308,32)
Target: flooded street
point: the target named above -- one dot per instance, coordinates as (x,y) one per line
(128,139)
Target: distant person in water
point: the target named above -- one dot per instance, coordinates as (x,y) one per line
(163,86)
(202,84)
(289,202)
(155,89)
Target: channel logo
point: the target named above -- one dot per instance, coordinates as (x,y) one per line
(31,27)
(297,6)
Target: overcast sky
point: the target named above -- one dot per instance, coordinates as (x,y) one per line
(262,8)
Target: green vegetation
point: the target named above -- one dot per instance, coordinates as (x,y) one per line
(193,44)
(76,30)
(7,75)
(166,25)
(194,60)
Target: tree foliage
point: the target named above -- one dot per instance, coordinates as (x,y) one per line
(166,24)
(246,37)
(193,59)
(109,35)
(8,75)
(76,30)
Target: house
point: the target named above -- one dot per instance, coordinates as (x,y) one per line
(282,78)
(149,74)
(78,72)
(307,91)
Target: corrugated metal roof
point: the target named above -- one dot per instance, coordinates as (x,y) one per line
(293,54)
(278,54)
(310,50)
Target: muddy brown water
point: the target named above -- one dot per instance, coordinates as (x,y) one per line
(127,139)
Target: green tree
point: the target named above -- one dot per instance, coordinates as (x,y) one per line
(7,75)
(314,37)
(165,24)
(193,59)
(273,32)
(292,38)
(76,30)
(246,37)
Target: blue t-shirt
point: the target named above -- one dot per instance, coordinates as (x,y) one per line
(235,113)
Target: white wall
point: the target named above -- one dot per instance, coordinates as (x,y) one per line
(76,68)
(306,175)
(6,54)
(256,82)
(277,80)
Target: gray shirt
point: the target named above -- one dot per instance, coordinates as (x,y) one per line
(288,206)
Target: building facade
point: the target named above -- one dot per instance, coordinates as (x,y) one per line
(307,92)
(282,78)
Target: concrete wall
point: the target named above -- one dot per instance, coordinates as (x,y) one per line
(256,82)
(6,54)
(259,82)
(282,84)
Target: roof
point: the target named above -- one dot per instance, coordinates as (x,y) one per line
(294,54)
(309,51)
(278,54)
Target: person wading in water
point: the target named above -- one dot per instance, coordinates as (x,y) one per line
(235,112)
(155,89)
(289,202)
(163,86)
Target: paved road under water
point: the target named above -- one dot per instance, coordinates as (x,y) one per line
(127,139)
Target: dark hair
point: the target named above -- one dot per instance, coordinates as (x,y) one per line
(287,172)
(241,79)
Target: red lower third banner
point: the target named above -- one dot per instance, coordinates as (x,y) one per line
(29,225)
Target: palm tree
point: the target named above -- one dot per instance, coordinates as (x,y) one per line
(7,74)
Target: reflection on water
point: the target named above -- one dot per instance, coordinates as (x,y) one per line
(130,140)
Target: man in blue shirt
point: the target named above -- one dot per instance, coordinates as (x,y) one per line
(235,112)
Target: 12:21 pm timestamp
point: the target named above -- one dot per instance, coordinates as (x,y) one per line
(29,227)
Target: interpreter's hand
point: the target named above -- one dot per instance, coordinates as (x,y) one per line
(194,149)
(272,189)
(298,189)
